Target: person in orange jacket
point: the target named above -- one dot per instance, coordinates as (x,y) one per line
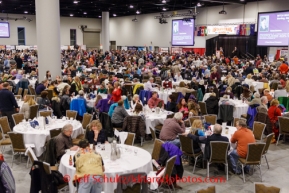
(283,68)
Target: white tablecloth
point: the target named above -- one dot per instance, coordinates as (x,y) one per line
(240,108)
(38,137)
(207,95)
(129,162)
(153,119)
(164,95)
(258,85)
(178,82)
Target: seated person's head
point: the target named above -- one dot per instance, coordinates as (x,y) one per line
(178,116)
(135,97)
(81,93)
(44,94)
(154,95)
(138,108)
(217,129)
(67,130)
(120,103)
(197,124)
(95,125)
(83,143)
(241,124)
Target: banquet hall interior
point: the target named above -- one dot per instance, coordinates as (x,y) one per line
(144,96)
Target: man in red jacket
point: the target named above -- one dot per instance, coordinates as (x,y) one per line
(283,68)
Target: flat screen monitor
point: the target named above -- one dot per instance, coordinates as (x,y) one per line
(4,30)
(183,32)
(273,28)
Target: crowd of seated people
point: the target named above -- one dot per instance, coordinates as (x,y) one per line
(103,77)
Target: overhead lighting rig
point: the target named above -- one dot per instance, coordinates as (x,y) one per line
(190,14)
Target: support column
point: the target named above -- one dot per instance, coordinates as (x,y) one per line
(105,31)
(48,37)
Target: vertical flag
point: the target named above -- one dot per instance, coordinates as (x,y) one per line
(248,29)
(252,29)
(242,29)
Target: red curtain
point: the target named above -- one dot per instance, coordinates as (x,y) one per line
(200,51)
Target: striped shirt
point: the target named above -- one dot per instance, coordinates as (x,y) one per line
(6,178)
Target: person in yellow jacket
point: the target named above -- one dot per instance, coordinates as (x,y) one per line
(89,169)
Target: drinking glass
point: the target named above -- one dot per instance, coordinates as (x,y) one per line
(135,151)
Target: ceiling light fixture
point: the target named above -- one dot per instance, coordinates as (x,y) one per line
(0,1)
(135,19)
(71,15)
(84,13)
(164,1)
(164,9)
(114,15)
(131,6)
(75,2)
(25,11)
(137,12)
(199,4)
(223,11)
(99,16)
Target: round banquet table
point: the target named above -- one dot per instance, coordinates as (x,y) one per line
(38,137)
(129,162)
(240,108)
(164,95)
(153,119)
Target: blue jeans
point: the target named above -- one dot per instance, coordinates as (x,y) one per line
(176,142)
(234,161)
(93,184)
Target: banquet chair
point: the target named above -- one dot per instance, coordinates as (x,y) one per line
(45,113)
(50,94)
(267,140)
(203,108)
(20,91)
(153,133)
(261,188)
(187,147)
(283,127)
(25,92)
(18,97)
(54,132)
(219,154)
(139,186)
(130,139)
(254,156)
(5,127)
(258,130)
(4,141)
(211,189)
(157,150)
(18,145)
(31,90)
(80,136)
(87,118)
(167,174)
(159,127)
(10,88)
(212,119)
(237,119)
(17,118)
(31,155)
(48,169)
(193,118)
(33,111)
(71,114)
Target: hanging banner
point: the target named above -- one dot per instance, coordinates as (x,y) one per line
(141,48)
(10,47)
(223,29)
(161,50)
(176,50)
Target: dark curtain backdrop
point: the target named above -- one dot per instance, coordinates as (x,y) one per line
(244,44)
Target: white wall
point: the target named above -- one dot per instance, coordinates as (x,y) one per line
(66,23)
(147,31)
